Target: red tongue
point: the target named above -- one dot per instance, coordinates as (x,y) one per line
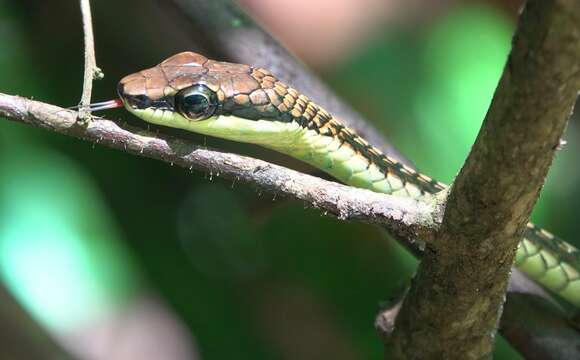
(104,105)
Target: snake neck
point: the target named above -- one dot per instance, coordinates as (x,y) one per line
(327,144)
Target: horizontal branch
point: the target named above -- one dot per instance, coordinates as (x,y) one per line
(404,217)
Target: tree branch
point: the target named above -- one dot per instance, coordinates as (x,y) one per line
(92,72)
(453,307)
(548,335)
(405,217)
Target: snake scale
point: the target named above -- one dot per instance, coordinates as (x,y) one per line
(247,104)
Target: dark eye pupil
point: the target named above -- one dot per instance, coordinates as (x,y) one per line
(196,103)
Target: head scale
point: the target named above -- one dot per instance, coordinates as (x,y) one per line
(228,89)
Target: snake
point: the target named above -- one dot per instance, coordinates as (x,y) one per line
(249,104)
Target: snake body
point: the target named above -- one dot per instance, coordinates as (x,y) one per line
(247,104)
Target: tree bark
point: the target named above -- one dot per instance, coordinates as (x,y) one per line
(454,305)
(405,217)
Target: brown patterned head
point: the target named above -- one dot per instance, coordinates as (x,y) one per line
(232,101)
(198,88)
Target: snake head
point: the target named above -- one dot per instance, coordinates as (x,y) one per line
(233,101)
(239,90)
(158,85)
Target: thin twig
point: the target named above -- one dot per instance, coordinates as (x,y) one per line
(91,72)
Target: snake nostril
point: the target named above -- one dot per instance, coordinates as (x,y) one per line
(138,100)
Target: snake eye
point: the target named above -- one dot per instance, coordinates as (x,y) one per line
(197,102)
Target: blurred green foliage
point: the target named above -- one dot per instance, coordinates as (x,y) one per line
(438,83)
(252,277)
(59,252)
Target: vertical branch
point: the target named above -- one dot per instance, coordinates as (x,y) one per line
(92,72)
(455,302)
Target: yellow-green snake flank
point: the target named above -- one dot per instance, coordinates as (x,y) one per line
(246,104)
